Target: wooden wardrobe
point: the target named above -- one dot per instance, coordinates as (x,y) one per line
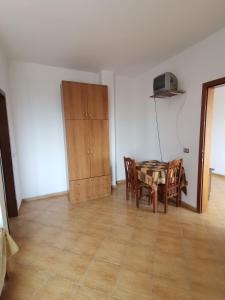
(86,124)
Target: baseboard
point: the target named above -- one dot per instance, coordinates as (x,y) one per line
(188,206)
(218,175)
(121,182)
(47,196)
(118,182)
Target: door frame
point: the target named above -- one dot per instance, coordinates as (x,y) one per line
(3,198)
(202,138)
(7,166)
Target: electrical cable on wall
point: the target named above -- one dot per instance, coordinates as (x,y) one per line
(157,126)
(177,121)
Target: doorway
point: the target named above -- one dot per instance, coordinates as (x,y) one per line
(204,173)
(6,157)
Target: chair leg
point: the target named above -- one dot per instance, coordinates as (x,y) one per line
(179,198)
(127,192)
(165,204)
(149,196)
(137,202)
(141,192)
(154,205)
(137,199)
(134,192)
(153,195)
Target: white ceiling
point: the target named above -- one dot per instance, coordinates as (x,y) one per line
(126,36)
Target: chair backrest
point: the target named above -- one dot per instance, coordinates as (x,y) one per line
(130,170)
(173,175)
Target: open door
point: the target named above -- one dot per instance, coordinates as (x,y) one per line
(6,160)
(207,150)
(205,143)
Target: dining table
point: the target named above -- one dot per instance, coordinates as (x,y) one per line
(153,173)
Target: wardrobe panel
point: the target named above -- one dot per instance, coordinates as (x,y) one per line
(75,100)
(97,96)
(78,149)
(100,186)
(99,145)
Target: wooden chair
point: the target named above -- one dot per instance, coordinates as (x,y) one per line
(133,185)
(130,176)
(172,186)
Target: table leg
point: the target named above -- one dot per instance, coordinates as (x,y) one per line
(179,197)
(155,199)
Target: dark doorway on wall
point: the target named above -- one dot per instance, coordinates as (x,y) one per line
(6,158)
(205,143)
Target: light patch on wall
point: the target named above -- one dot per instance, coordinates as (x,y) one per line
(218,132)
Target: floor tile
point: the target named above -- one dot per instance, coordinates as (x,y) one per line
(85,293)
(101,275)
(133,283)
(57,288)
(109,249)
(138,258)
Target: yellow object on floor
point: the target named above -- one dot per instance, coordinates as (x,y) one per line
(7,248)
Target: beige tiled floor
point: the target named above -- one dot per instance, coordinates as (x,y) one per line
(107,249)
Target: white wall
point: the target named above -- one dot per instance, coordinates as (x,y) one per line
(39,132)
(128,121)
(203,62)
(218,132)
(107,78)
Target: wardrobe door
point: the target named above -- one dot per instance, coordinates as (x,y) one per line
(77,132)
(75,100)
(97,96)
(99,145)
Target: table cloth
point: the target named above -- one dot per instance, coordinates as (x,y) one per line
(7,248)
(153,173)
